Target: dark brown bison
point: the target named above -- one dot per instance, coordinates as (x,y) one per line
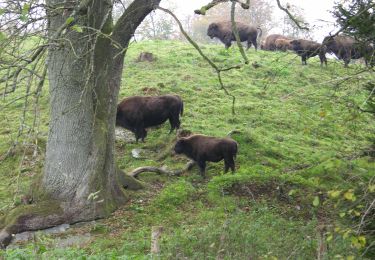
(307,49)
(270,42)
(347,48)
(223,31)
(201,149)
(283,45)
(137,113)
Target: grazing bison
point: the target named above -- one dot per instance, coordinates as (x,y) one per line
(201,149)
(307,49)
(270,42)
(283,45)
(137,113)
(347,48)
(223,31)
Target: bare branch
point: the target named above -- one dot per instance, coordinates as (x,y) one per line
(139,170)
(235,31)
(207,7)
(213,65)
(298,23)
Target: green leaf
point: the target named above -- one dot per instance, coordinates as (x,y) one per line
(2,36)
(349,195)
(342,214)
(334,193)
(292,192)
(77,28)
(2,11)
(69,20)
(329,238)
(371,188)
(316,201)
(25,8)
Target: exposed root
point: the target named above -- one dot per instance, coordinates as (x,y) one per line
(139,170)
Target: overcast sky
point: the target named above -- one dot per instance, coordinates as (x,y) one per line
(315,12)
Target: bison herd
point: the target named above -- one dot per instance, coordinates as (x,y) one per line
(138,113)
(344,47)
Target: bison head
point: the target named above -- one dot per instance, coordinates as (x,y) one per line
(179,147)
(295,44)
(330,42)
(212,30)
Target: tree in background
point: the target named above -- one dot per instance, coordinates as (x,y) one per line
(290,28)
(357,19)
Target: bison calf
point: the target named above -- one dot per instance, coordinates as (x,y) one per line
(270,42)
(283,45)
(307,49)
(201,149)
(223,31)
(137,113)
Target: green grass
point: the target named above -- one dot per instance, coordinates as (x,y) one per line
(299,136)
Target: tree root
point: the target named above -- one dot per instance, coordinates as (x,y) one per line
(139,170)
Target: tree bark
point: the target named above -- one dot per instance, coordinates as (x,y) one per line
(80,179)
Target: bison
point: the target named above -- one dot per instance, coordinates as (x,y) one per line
(201,149)
(137,113)
(270,42)
(223,31)
(307,49)
(347,48)
(283,45)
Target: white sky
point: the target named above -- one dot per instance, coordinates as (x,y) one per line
(315,12)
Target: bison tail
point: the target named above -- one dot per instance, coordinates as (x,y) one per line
(182,108)
(260,32)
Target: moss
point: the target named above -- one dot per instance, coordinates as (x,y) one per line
(44,208)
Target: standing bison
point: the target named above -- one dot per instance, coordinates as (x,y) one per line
(201,149)
(223,31)
(307,49)
(137,113)
(347,48)
(270,42)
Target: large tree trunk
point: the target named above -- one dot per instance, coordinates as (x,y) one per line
(84,70)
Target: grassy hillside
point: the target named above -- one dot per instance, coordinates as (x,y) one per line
(300,139)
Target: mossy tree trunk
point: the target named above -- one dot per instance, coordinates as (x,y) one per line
(84,70)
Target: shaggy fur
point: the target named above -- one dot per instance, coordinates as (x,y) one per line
(307,49)
(137,113)
(201,149)
(346,48)
(223,31)
(270,42)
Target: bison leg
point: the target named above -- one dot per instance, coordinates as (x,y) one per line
(202,168)
(255,44)
(248,45)
(227,45)
(175,123)
(304,62)
(229,163)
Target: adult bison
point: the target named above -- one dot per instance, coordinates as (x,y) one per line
(347,48)
(201,149)
(223,31)
(283,45)
(307,49)
(137,113)
(270,42)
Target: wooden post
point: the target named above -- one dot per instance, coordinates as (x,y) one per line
(155,235)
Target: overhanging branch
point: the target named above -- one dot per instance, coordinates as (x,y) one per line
(298,23)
